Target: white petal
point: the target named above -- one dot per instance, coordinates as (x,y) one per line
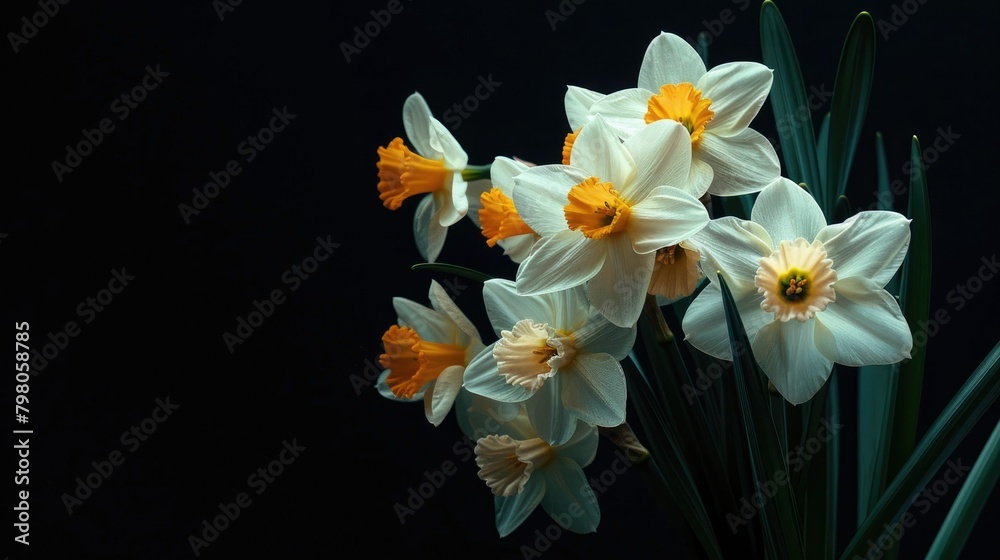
(429,323)
(474,194)
(578,102)
(518,247)
(867,323)
(594,389)
(662,154)
(737,91)
(442,394)
(554,423)
(787,211)
(428,232)
(870,244)
(483,378)
(417,124)
(618,290)
(624,111)
(441,301)
(667,217)
(444,143)
(511,512)
(505,307)
(503,171)
(788,354)
(541,195)
(582,447)
(451,202)
(743,163)
(670,60)
(569,498)
(704,323)
(600,336)
(597,151)
(560,261)
(735,247)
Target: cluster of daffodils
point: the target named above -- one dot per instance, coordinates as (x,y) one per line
(622,218)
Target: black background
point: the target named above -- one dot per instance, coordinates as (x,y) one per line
(296,378)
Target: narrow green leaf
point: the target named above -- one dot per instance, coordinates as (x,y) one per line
(789,100)
(702,47)
(453,269)
(915,300)
(976,490)
(778,514)
(976,396)
(851,91)
(822,145)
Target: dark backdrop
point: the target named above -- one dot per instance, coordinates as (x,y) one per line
(203,76)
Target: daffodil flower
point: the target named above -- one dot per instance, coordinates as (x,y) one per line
(435,168)
(809,294)
(494,213)
(426,353)
(715,106)
(676,272)
(603,217)
(523,471)
(557,354)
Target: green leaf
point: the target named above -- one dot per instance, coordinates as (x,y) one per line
(453,269)
(915,300)
(964,512)
(789,100)
(778,514)
(975,397)
(851,91)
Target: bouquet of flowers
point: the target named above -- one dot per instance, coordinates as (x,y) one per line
(666,262)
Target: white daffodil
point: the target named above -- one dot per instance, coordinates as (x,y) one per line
(426,353)
(809,294)
(557,354)
(492,210)
(603,217)
(523,471)
(436,168)
(715,106)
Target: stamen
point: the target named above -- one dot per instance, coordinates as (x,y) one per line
(596,209)
(796,280)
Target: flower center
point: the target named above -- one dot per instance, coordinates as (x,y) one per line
(684,104)
(506,463)
(675,272)
(498,217)
(596,209)
(413,362)
(403,173)
(796,280)
(568,145)
(532,352)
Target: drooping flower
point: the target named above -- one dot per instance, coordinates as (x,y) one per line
(523,471)
(493,210)
(809,294)
(715,106)
(436,168)
(556,354)
(676,273)
(426,353)
(603,217)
